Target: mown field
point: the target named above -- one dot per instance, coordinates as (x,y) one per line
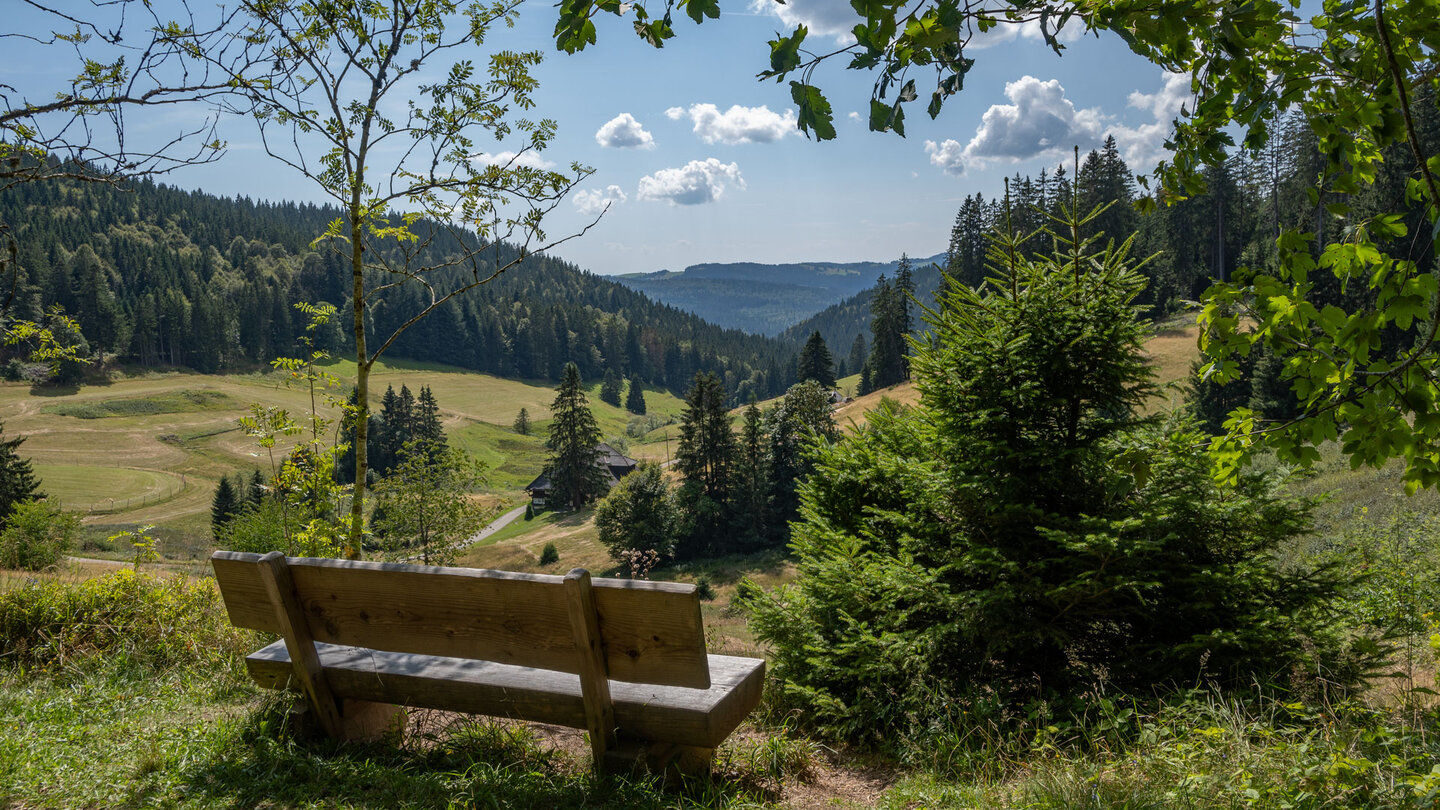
(150,449)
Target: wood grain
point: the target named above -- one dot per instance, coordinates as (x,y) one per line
(695,717)
(651,632)
(594,681)
(299,644)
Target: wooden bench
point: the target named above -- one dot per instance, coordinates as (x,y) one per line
(623,659)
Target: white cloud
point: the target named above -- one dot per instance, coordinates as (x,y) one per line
(823,17)
(591,203)
(854,116)
(699,181)
(948,155)
(1144,146)
(740,124)
(675,113)
(624,132)
(528,158)
(1039,122)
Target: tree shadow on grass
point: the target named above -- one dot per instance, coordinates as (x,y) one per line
(53,390)
(259,762)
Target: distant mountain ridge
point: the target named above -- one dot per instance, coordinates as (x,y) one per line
(759,298)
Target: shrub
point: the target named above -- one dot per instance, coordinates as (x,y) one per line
(162,622)
(638,514)
(704,589)
(38,536)
(257,529)
(1026,529)
(529,511)
(549,555)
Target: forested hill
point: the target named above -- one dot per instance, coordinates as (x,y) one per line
(839,323)
(163,277)
(761,298)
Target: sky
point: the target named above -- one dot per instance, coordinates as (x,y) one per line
(701,162)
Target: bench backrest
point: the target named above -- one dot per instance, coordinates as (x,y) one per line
(651,632)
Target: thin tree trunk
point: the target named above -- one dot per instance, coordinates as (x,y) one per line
(362,381)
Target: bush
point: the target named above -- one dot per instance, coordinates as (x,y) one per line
(704,589)
(549,555)
(256,529)
(1026,529)
(638,514)
(529,511)
(38,536)
(162,622)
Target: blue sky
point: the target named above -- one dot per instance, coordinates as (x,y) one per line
(701,162)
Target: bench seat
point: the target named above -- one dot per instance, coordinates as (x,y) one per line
(696,717)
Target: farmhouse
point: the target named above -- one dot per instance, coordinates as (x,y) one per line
(616,465)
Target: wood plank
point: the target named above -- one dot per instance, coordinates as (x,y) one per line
(299,644)
(651,631)
(696,717)
(594,680)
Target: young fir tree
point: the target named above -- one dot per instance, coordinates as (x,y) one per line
(705,458)
(890,318)
(522,422)
(815,362)
(427,428)
(18,483)
(610,388)
(752,494)
(223,507)
(635,399)
(1023,529)
(575,475)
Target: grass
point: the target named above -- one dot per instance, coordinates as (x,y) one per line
(182,401)
(137,698)
(168,427)
(86,488)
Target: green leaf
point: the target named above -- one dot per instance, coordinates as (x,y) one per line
(785,53)
(814,111)
(700,9)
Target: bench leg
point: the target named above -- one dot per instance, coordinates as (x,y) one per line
(360,720)
(673,760)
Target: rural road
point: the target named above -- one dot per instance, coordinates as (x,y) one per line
(496,525)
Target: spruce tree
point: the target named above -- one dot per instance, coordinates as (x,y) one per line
(857,354)
(255,491)
(427,428)
(610,388)
(706,459)
(575,475)
(635,399)
(1026,529)
(752,496)
(890,325)
(522,422)
(18,483)
(223,507)
(815,362)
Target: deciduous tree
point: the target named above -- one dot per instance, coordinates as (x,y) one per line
(360,106)
(428,510)
(638,514)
